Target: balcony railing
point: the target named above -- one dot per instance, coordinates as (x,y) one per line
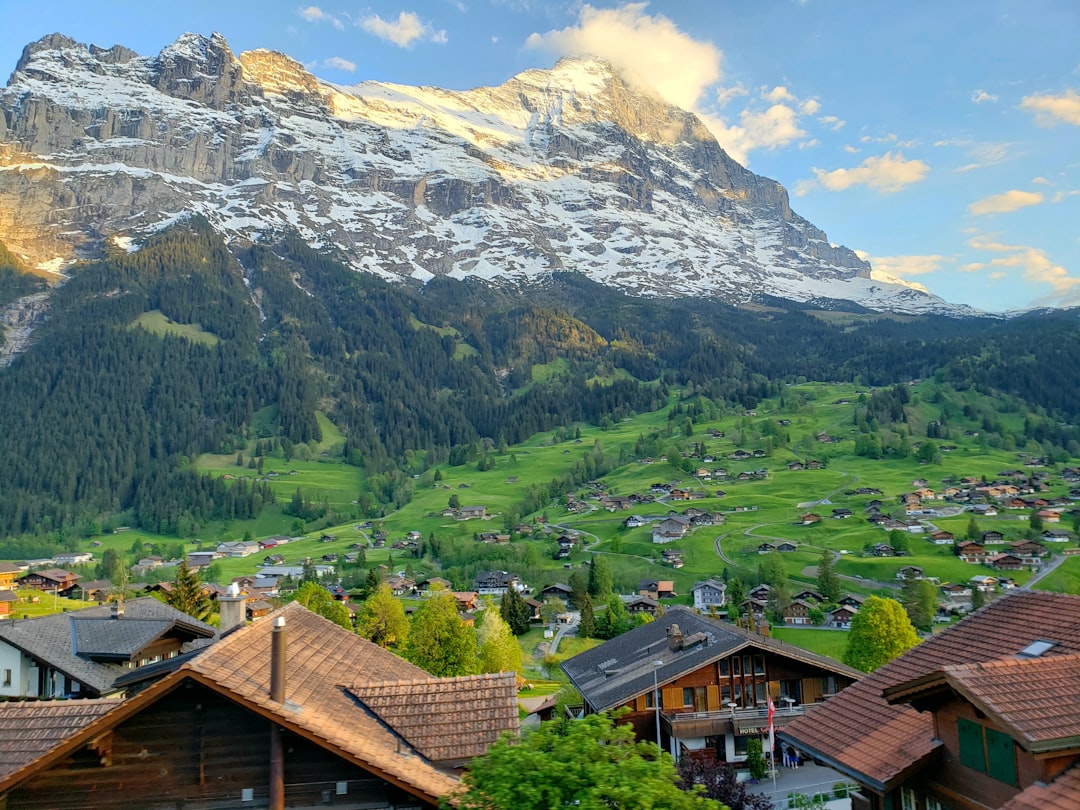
(741,715)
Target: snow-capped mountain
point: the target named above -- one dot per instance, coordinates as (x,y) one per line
(562,169)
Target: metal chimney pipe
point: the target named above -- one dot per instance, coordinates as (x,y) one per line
(277,660)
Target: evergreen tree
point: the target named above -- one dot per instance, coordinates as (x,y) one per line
(973,531)
(920,602)
(978,598)
(600,585)
(736,595)
(382,618)
(439,641)
(615,620)
(879,632)
(371,582)
(587,623)
(515,611)
(579,588)
(187,594)
(827,580)
(1035,521)
(499,650)
(771,569)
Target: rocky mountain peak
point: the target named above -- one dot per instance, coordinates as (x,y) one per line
(572,168)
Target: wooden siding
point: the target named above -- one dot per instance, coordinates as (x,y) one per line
(193,748)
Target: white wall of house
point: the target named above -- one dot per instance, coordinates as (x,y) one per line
(13,662)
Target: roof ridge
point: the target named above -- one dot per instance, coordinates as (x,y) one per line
(1012,661)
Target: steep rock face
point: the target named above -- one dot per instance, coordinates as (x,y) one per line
(562,169)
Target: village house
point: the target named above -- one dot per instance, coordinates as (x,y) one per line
(808,595)
(657,588)
(841,617)
(1005,562)
(672,528)
(809,518)
(8,597)
(291,711)
(701,667)
(985,583)
(239,548)
(992,538)
(51,579)
(797,612)
(471,512)
(971,552)
(974,717)
(95,652)
(910,572)
(941,538)
(787,547)
(670,556)
(636,603)
(709,595)
(497,583)
(1056,536)
(73,558)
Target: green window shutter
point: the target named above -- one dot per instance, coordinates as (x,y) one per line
(972,752)
(1001,756)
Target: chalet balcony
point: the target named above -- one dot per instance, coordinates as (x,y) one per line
(682,724)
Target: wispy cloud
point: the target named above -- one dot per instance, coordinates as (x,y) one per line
(982,97)
(986,154)
(904,266)
(404,32)
(886,173)
(1036,267)
(832,122)
(314,14)
(339,63)
(1005,203)
(1050,110)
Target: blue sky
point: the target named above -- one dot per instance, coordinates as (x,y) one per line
(941,140)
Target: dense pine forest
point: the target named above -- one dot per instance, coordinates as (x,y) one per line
(103,416)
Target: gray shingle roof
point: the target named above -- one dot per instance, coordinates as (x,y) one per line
(65,641)
(622,668)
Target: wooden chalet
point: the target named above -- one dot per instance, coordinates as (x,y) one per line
(290,712)
(51,579)
(705,666)
(981,716)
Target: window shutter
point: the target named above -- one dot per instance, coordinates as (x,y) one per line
(1001,756)
(972,752)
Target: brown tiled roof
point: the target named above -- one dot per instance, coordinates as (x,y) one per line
(859,733)
(446,718)
(1061,794)
(321,655)
(1035,722)
(30,729)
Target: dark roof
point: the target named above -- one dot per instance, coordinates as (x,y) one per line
(30,729)
(9,568)
(620,669)
(65,641)
(860,734)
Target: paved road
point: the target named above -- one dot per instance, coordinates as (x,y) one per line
(1045,571)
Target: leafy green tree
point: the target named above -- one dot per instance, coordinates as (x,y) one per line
(111,565)
(382,618)
(615,620)
(978,598)
(553,608)
(579,587)
(736,594)
(454,501)
(587,623)
(973,531)
(771,569)
(187,594)
(920,602)
(827,581)
(318,600)
(755,759)
(879,632)
(590,763)
(600,584)
(499,650)
(515,611)
(899,541)
(439,641)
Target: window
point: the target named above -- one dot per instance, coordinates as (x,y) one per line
(828,685)
(760,697)
(7,677)
(933,804)
(735,665)
(648,700)
(724,667)
(687,696)
(725,695)
(987,750)
(759,664)
(907,799)
(972,753)
(746,665)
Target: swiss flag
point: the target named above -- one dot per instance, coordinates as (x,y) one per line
(772,736)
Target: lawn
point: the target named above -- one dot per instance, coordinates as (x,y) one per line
(34,603)
(158,323)
(823,642)
(1065,579)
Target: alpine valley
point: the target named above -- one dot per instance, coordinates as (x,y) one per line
(209,253)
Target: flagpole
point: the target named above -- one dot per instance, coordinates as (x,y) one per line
(772,743)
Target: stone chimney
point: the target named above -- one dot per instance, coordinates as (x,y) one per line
(232,608)
(116,611)
(674,637)
(277,660)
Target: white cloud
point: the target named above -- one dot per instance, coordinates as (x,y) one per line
(982,97)
(810,143)
(887,173)
(315,14)
(1050,110)
(998,276)
(1061,196)
(777,94)
(1037,268)
(650,51)
(904,266)
(404,31)
(810,107)
(832,122)
(1012,200)
(340,64)
(851,150)
(1040,181)
(726,94)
